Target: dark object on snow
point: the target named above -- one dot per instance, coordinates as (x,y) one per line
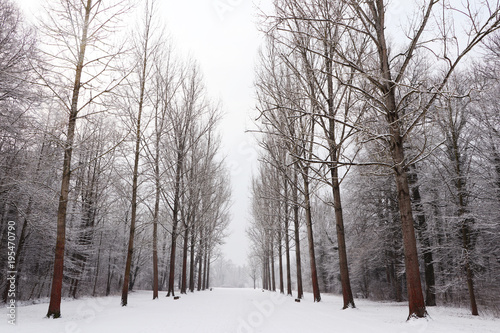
(297,300)
(210,289)
(176,297)
(262,290)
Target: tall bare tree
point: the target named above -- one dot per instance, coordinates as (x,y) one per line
(146,50)
(73,29)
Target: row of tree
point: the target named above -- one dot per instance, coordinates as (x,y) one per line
(115,138)
(379,137)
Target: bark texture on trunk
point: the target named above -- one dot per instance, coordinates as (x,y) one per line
(415,295)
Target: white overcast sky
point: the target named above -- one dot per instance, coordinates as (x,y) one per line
(222,36)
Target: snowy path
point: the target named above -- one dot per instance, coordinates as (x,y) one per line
(238,311)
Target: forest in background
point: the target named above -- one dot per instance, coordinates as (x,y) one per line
(379,173)
(110,155)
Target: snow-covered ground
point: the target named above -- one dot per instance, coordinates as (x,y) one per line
(238,311)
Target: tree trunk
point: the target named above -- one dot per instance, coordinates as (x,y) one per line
(287,244)
(133,277)
(156,212)
(171,275)
(191,259)
(207,285)
(264,278)
(130,251)
(415,296)
(175,221)
(269,281)
(164,275)
(310,237)
(97,266)
(465,232)
(109,276)
(430,280)
(200,260)
(184,260)
(300,292)
(343,263)
(280,261)
(337,203)
(273,273)
(54,310)
(470,276)
(416,302)
(204,279)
